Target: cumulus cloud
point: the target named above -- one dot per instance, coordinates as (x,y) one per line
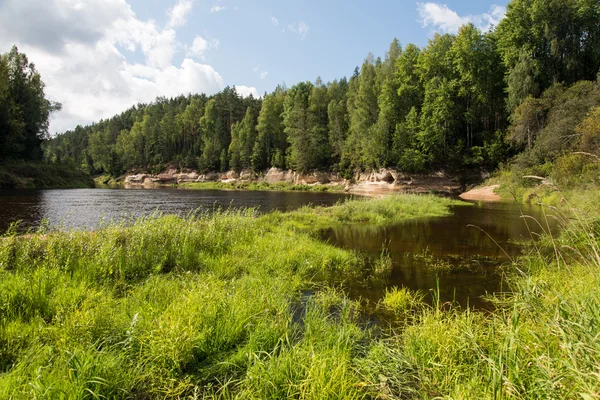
(81,49)
(217,9)
(179,13)
(246,91)
(301,28)
(264,74)
(274,21)
(200,46)
(443,19)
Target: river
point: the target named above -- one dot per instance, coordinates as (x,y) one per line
(434,255)
(460,258)
(85,208)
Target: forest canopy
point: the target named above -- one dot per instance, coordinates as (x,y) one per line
(24,109)
(466,100)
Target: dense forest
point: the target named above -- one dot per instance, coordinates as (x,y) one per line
(24,109)
(470,100)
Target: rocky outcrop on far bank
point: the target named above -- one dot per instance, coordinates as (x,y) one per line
(379,182)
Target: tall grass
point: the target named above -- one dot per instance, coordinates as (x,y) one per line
(237,305)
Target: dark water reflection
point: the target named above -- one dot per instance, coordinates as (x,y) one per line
(85,208)
(464,262)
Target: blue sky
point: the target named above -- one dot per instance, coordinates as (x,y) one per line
(99,57)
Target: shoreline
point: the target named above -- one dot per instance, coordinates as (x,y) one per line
(372,184)
(483,193)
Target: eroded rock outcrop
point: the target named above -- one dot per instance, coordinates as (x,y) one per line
(383,181)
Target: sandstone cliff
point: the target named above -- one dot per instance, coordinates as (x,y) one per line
(384,181)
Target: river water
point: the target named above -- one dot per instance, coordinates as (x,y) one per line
(459,258)
(85,208)
(443,255)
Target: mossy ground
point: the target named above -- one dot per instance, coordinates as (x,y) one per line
(239,305)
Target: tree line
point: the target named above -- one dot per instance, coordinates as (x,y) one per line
(24,109)
(456,103)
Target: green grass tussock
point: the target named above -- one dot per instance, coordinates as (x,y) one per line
(238,305)
(373,211)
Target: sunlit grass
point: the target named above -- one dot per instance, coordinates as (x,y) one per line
(238,305)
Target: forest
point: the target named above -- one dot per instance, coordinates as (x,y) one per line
(24,109)
(467,101)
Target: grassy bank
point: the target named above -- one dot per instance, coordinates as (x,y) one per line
(32,175)
(236,305)
(107,181)
(282,186)
(378,211)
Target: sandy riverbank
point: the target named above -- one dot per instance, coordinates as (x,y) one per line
(484,193)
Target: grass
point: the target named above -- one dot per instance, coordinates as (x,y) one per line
(281,186)
(375,211)
(242,306)
(38,175)
(107,180)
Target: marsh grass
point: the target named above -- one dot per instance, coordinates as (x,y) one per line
(368,211)
(203,307)
(281,186)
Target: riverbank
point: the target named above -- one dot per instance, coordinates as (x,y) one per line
(482,193)
(32,175)
(239,305)
(382,182)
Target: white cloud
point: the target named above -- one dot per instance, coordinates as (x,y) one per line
(301,28)
(445,20)
(246,91)
(200,46)
(260,72)
(159,50)
(178,14)
(274,21)
(217,9)
(82,52)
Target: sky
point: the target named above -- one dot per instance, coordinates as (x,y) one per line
(100,57)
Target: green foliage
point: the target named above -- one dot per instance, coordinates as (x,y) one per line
(37,175)
(24,109)
(297,128)
(562,121)
(362,112)
(446,106)
(271,142)
(543,42)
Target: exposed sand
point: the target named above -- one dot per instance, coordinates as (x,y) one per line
(485,193)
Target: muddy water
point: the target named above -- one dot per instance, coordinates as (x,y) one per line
(462,256)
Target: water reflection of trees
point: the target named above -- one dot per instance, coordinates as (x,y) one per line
(474,258)
(444,236)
